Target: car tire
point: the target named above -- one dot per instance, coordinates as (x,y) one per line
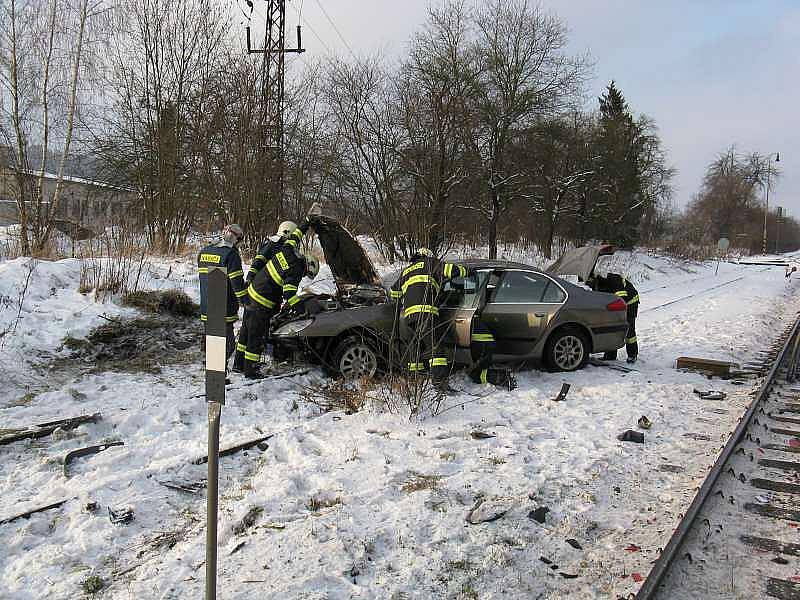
(356,357)
(567,349)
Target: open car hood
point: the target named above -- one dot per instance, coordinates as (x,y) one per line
(346,258)
(579,261)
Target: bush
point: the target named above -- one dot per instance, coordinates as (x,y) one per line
(172,302)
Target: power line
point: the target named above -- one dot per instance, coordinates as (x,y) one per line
(339,33)
(313,31)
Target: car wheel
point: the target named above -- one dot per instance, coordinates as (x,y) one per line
(355,357)
(567,349)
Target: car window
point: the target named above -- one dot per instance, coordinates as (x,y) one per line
(461,292)
(554,294)
(521,286)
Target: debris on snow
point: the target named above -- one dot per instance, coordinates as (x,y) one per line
(630,435)
(539,514)
(486,511)
(121,516)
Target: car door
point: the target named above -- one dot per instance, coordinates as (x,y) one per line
(462,298)
(519,306)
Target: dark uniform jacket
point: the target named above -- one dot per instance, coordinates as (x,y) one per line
(419,285)
(225,255)
(281,275)
(265,252)
(618,285)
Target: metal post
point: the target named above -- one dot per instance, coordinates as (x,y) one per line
(216,359)
(766,208)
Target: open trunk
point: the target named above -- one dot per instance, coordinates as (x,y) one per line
(579,261)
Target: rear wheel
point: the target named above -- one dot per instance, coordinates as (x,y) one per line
(567,349)
(355,357)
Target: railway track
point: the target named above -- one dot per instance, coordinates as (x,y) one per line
(740,537)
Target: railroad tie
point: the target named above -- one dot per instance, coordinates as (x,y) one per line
(775,486)
(782,589)
(773,512)
(770,545)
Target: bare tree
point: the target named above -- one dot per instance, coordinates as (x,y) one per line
(46,70)
(524,74)
(162,74)
(433,87)
(365,123)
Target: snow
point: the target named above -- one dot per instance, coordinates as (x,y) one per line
(370,505)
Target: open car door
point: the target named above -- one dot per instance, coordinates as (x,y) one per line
(463,297)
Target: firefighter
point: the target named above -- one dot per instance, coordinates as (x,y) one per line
(224,254)
(268,249)
(482,347)
(288,235)
(417,291)
(604,281)
(276,283)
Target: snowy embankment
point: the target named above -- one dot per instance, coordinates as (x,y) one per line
(370,505)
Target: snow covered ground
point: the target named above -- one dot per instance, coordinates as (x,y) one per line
(371,505)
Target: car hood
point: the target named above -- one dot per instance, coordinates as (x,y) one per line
(347,259)
(579,261)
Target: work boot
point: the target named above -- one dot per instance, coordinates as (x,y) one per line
(238,362)
(610,356)
(252,371)
(631,359)
(443,387)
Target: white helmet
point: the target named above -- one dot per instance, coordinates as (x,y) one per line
(233,233)
(423,252)
(312,266)
(286,228)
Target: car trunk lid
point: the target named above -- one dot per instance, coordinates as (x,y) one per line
(579,261)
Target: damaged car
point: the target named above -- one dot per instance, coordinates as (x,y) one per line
(534,315)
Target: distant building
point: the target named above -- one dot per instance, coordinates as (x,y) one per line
(83,202)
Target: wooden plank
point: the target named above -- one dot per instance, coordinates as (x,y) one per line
(234,449)
(33,511)
(775,486)
(705,365)
(782,589)
(44,429)
(774,512)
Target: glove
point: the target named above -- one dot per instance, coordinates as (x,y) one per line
(314,211)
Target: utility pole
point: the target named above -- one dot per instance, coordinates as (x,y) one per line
(270,144)
(766,200)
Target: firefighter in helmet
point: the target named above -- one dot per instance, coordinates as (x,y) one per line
(602,280)
(418,294)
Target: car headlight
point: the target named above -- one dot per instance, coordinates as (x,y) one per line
(293,328)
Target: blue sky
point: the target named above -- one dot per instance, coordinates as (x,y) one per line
(710,72)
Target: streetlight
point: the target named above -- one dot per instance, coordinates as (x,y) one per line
(766,201)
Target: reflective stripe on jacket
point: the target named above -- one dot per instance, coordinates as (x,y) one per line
(419,285)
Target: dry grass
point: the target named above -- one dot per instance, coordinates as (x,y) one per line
(419,482)
(347,396)
(319,502)
(172,302)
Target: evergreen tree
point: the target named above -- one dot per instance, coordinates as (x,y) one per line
(618,204)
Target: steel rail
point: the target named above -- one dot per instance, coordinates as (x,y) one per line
(649,589)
